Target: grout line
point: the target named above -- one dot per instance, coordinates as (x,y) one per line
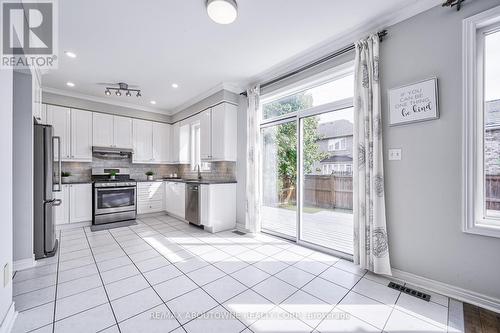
(102,281)
(57,279)
(151,286)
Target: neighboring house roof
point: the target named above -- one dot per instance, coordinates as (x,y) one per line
(337,158)
(335,129)
(492,111)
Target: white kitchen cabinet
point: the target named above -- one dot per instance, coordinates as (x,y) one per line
(81,135)
(112,131)
(150,197)
(218,128)
(206,135)
(41,114)
(60,119)
(74,127)
(61,212)
(180,150)
(143,141)
(122,132)
(102,125)
(218,207)
(175,199)
(80,202)
(161,142)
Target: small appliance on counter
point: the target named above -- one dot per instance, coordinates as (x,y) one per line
(114,200)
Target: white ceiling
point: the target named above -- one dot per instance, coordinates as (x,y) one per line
(154,43)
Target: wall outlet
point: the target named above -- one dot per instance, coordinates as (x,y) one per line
(6,275)
(395,154)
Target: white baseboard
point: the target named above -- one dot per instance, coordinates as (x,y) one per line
(464,295)
(8,320)
(21,264)
(73,225)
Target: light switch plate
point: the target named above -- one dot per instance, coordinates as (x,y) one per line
(395,154)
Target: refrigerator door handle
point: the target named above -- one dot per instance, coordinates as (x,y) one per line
(59,163)
(57,202)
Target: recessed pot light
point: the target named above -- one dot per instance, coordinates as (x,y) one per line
(70,54)
(70,84)
(153,102)
(175,85)
(222,11)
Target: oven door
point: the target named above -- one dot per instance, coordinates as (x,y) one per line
(114,200)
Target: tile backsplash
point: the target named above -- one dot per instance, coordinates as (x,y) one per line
(81,172)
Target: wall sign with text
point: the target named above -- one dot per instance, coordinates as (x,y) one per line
(414,102)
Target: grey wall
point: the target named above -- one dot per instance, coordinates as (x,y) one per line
(216,98)
(84,104)
(23,167)
(423,191)
(6,84)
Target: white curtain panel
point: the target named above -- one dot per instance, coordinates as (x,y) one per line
(371,248)
(252,215)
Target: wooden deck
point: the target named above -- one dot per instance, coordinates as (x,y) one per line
(328,228)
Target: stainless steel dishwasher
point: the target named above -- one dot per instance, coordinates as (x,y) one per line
(193,203)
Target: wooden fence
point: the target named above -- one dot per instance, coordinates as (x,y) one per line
(333,191)
(492,189)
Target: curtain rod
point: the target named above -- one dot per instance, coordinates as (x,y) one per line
(333,55)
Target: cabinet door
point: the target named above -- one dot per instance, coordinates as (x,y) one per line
(143,141)
(81,135)
(59,118)
(122,132)
(206,135)
(168,197)
(61,212)
(224,132)
(174,139)
(80,205)
(102,133)
(184,142)
(179,199)
(161,142)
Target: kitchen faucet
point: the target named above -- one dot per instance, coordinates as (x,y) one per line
(199,172)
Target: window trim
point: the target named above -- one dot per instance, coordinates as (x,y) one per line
(473,219)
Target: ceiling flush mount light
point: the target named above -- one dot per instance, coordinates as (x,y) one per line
(153,102)
(222,11)
(70,84)
(70,54)
(122,87)
(175,85)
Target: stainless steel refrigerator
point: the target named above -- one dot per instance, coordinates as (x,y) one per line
(44,236)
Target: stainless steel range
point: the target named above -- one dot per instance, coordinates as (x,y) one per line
(114,197)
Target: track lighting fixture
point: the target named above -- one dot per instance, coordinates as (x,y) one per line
(122,87)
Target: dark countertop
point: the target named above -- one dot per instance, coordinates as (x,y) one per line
(191,181)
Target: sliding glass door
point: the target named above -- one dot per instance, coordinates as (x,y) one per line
(279,177)
(326,193)
(307,164)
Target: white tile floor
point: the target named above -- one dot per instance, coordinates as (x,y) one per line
(166,276)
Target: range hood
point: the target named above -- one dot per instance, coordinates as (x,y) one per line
(112,150)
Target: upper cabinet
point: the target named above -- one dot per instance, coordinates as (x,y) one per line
(180,143)
(143,141)
(122,132)
(112,131)
(218,132)
(161,142)
(151,142)
(74,128)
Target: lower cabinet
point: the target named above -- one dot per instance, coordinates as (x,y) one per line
(175,199)
(76,204)
(218,207)
(150,197)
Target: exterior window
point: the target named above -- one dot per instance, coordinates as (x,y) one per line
(329,92)
(482,123)
(337,144)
